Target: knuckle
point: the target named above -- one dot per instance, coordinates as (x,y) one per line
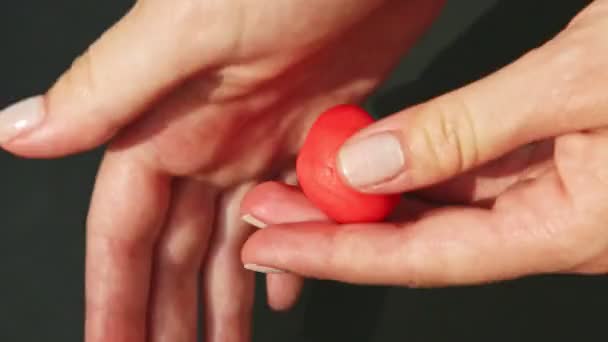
(179,251)
(576,64)
(571,248)
(341,249)
(580,159)
(81,78)
(595,11)
(587,188)
(416,271)
(581,244)
(80,92)
(572,239)
(350,255)
(120,249)
(450,135)
(193,22)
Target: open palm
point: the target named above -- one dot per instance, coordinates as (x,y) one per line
(200,101)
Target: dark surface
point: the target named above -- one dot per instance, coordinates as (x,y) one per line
(43,203)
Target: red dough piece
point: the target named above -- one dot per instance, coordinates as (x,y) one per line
(318,176)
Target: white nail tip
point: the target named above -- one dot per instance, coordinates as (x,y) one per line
(262,269)
(254,221)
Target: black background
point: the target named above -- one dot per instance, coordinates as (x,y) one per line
(43,203)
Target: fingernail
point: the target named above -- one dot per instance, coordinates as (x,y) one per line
(262,269)
(371,160)
(20,118)
(253,221)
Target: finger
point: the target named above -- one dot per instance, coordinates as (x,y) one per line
(131,65)
(581,159)
(127,211)
(482,185)
(179,253)
(450,246)
(272,203)
(228,288)
(276,203)
(283,290)
(533,99)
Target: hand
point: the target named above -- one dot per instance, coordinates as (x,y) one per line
(507,177)
(199,100)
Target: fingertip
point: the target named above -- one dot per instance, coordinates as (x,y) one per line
(18,122)
(283,291)
(21,118)
(30,128)
(250,249)
(256,249)
(289,247)
(259,194)
(276,203)
(131,66)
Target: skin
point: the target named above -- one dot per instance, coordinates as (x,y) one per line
(506,178)
(199,101)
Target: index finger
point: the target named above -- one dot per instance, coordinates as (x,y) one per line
(445,246)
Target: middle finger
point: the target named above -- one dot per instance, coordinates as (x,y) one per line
(179,253)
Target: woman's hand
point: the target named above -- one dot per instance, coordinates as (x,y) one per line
(510,175)
(199,100)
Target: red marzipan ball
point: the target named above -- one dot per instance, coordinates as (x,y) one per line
(318,175)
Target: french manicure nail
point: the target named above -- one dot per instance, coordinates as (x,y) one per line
(371,160)
(20,118)
(253,221)
(262,269)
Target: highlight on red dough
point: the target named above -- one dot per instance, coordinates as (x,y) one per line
(319,178)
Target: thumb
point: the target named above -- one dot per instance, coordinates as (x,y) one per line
(132,64)
(537,97)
